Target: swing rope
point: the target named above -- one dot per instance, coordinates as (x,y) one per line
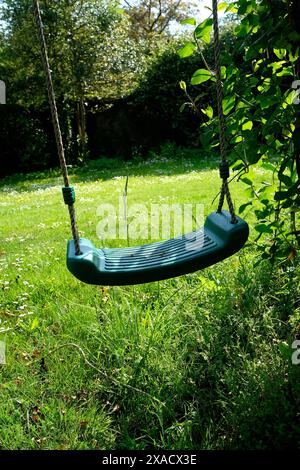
(224,165)
(68,191)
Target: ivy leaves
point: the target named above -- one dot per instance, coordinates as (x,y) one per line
(203,31)
(202,34)
(187,50)
(260,110)
(201,76)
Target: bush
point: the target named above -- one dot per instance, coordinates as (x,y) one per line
(160,97)
(24,141)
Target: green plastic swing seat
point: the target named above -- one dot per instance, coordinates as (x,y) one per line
(218,240)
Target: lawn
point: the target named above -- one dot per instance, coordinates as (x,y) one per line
(197,362)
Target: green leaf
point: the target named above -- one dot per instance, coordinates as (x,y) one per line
(261,214)
(291,97)
(263,228)
(286,72)
(277,65)
(187,50)
(182,85)
(223,72)
(257,64)
(266,192)
(206,137)
(287,180)
(253,81)
(228,104)
(200,76)
(246,181)
(191,21)
(293,57)
(236,139)
(203,30)
(241,105)
(222,5)
(242,30)
(243,207)
(266,101)
(245,6)
(268,166)
(280,53)
(238,165)
(231,8)
(209,112)
(247,126)
(281,195)
(265,86)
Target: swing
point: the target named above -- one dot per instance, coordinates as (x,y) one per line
(223,234)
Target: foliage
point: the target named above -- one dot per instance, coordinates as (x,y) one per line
(73,31)
(157,91)
(21,151)
(157,94)
(90,53)
(95,62)
(262,118)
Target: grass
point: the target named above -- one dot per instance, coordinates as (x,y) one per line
(198,362)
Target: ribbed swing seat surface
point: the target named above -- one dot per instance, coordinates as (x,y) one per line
(218,240)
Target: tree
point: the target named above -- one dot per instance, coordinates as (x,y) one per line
(150,17)
(85,39)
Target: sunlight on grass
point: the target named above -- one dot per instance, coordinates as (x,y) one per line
(175,364)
